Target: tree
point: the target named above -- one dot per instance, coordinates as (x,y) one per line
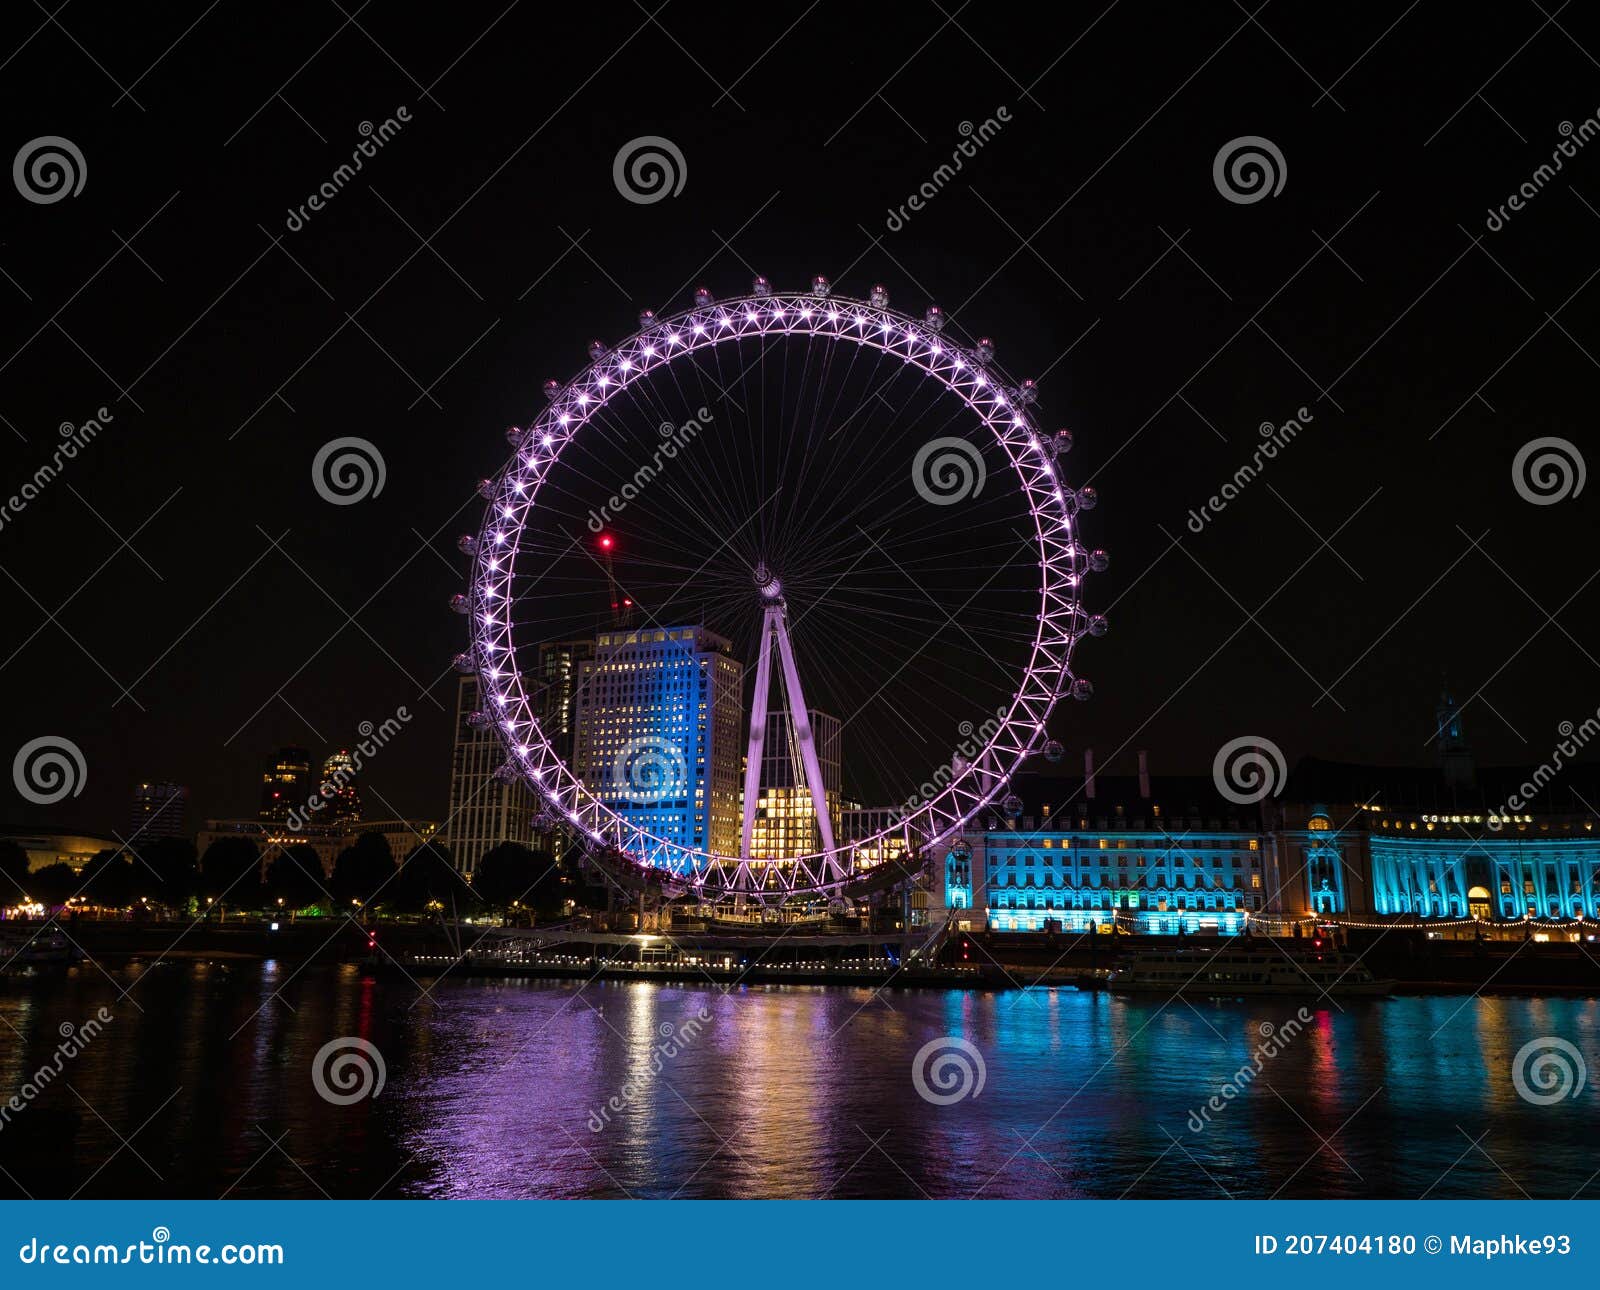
(295,877)
(512,874)
(427,875)
(166,871)
(230,872)
(108,880)
(54,883)
(13,872)
(363,869)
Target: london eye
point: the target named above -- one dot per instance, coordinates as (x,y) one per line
(852,510)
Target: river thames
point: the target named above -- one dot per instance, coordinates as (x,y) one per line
(201,1085)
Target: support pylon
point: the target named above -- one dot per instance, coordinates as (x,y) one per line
(775,626)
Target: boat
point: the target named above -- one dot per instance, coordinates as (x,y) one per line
(27,945)
(1245,970)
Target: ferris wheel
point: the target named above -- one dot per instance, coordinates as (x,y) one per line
(859,505)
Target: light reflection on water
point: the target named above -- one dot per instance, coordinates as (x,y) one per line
(528,1088)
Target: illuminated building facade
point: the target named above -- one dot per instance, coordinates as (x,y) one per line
(1383,843)
(485,810)
(159,811)
(658,733)
(45,848)
(285,783)
(1172,858)
(785,824)
(341,799)
(857,824)
(560,670)
(1450,843)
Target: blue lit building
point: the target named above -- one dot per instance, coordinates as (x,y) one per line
(657,733)
(1088,853)
(1450,842)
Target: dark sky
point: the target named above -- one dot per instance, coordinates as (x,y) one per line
(486,242)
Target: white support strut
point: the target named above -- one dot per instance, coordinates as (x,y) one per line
(774,623)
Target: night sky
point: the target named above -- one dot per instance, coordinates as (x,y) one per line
(180,599)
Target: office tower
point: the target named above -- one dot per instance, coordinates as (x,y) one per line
(658,733)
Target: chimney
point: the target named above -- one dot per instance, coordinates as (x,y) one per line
(1088,773)
(1144,774)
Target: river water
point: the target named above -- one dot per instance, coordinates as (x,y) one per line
(205,1082)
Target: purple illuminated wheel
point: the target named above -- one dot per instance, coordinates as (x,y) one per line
(842,467)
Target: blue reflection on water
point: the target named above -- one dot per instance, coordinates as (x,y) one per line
(526,1088)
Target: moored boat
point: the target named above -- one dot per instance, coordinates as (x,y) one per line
(1245,970)
(24,945)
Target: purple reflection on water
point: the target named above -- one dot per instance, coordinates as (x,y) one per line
(527,1088)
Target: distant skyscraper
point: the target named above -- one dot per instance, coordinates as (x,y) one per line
(158,811)
(560,668)
(786,817)
(484,812)
(285,783)
(658,733)
(341,799)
